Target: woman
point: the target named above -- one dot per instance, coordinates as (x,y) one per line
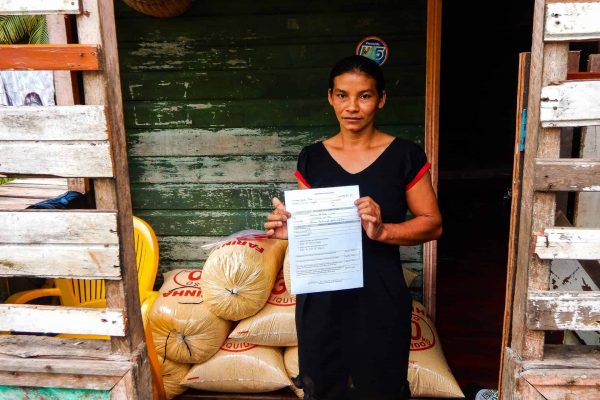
(355,343)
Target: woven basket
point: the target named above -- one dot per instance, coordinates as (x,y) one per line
(160,8)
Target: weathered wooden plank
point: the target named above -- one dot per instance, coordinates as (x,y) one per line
(572,21)
(576,311)
(186,55)
(568,243)
(56,319)
(202,223)
(290,6)
(559,384)
(35,7)
(243,141)
(406,80)
(57,158)
(569,175)
(227,169)
(561,356)
(207,196)
(573,103)
(29,346)
(53,123)
(65,366)
(52,393)
(275,27)
(35,193)
(72,57)
(258,113)
(58,227)
(60,261)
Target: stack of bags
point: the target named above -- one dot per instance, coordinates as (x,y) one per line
(231,327)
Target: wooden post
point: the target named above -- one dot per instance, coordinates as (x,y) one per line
(432,107)
(97,25)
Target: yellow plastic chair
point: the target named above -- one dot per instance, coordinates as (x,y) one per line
(92,293)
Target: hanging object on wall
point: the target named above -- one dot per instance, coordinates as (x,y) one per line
(374,48)
(160,8)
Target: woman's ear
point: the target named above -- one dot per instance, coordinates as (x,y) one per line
(382,100)
(330,96)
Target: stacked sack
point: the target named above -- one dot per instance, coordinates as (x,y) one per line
(200,345)
(196,310)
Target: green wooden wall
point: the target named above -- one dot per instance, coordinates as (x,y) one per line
(218,103)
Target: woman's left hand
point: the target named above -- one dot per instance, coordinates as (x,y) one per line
(370,217)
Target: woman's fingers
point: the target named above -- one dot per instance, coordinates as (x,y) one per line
(276,217)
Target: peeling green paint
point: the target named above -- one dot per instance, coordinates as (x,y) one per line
(36,393)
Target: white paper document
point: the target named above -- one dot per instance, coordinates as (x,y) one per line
(325,244)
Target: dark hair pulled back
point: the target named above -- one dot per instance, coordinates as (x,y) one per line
(359,64)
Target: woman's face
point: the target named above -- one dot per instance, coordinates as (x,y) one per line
(355,100)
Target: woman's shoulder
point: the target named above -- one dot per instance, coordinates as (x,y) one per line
(406,146)
(311,149)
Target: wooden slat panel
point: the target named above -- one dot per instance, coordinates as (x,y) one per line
(60,261)
(57,158)
(64,366)
(560,384)
(251,113)
(568,243)
(54,227)
(569,175)
(72,57)
(572,21)
(29,346)
(228,169)
(577,311)
(53,123)
(50,319)
(242,141)
(574,103)
(50,380)
(186,56)
(572,356)
(189,196)
(35,7)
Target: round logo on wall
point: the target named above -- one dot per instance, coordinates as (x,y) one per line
(374,48)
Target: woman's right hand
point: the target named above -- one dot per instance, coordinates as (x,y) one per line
(276,225)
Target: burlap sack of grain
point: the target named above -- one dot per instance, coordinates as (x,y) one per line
(240,368)
(275,324)
(428,371)
(172,373)
(290,360)
(239,275)
(409,276)
(183,327)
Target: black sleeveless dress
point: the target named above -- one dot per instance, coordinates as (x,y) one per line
(355,343)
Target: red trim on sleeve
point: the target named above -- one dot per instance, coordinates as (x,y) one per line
(419,175)
(298,175)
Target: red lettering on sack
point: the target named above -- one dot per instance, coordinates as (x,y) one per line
(279,287)
(188,278)
(422,336)
(237,347)
(243,243)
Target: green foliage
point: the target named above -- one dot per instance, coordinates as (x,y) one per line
(20,29)
(5,180)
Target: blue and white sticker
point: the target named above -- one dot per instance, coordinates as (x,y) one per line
(374,48)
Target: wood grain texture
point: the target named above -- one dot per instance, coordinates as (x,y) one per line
(569,175)
(35,7)
(226,169)
(568,243)
(66,57)
(574,103)
(55,319)
(58,227)
(577,311)
(60,261)
(57,158)
(36,380)
(560,356)
(572,21)
(65,366)
(50,123)
(29,346)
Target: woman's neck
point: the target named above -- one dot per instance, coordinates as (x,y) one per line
(364,139)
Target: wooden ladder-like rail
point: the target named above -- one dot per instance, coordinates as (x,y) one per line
(531,368)
(72,141)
